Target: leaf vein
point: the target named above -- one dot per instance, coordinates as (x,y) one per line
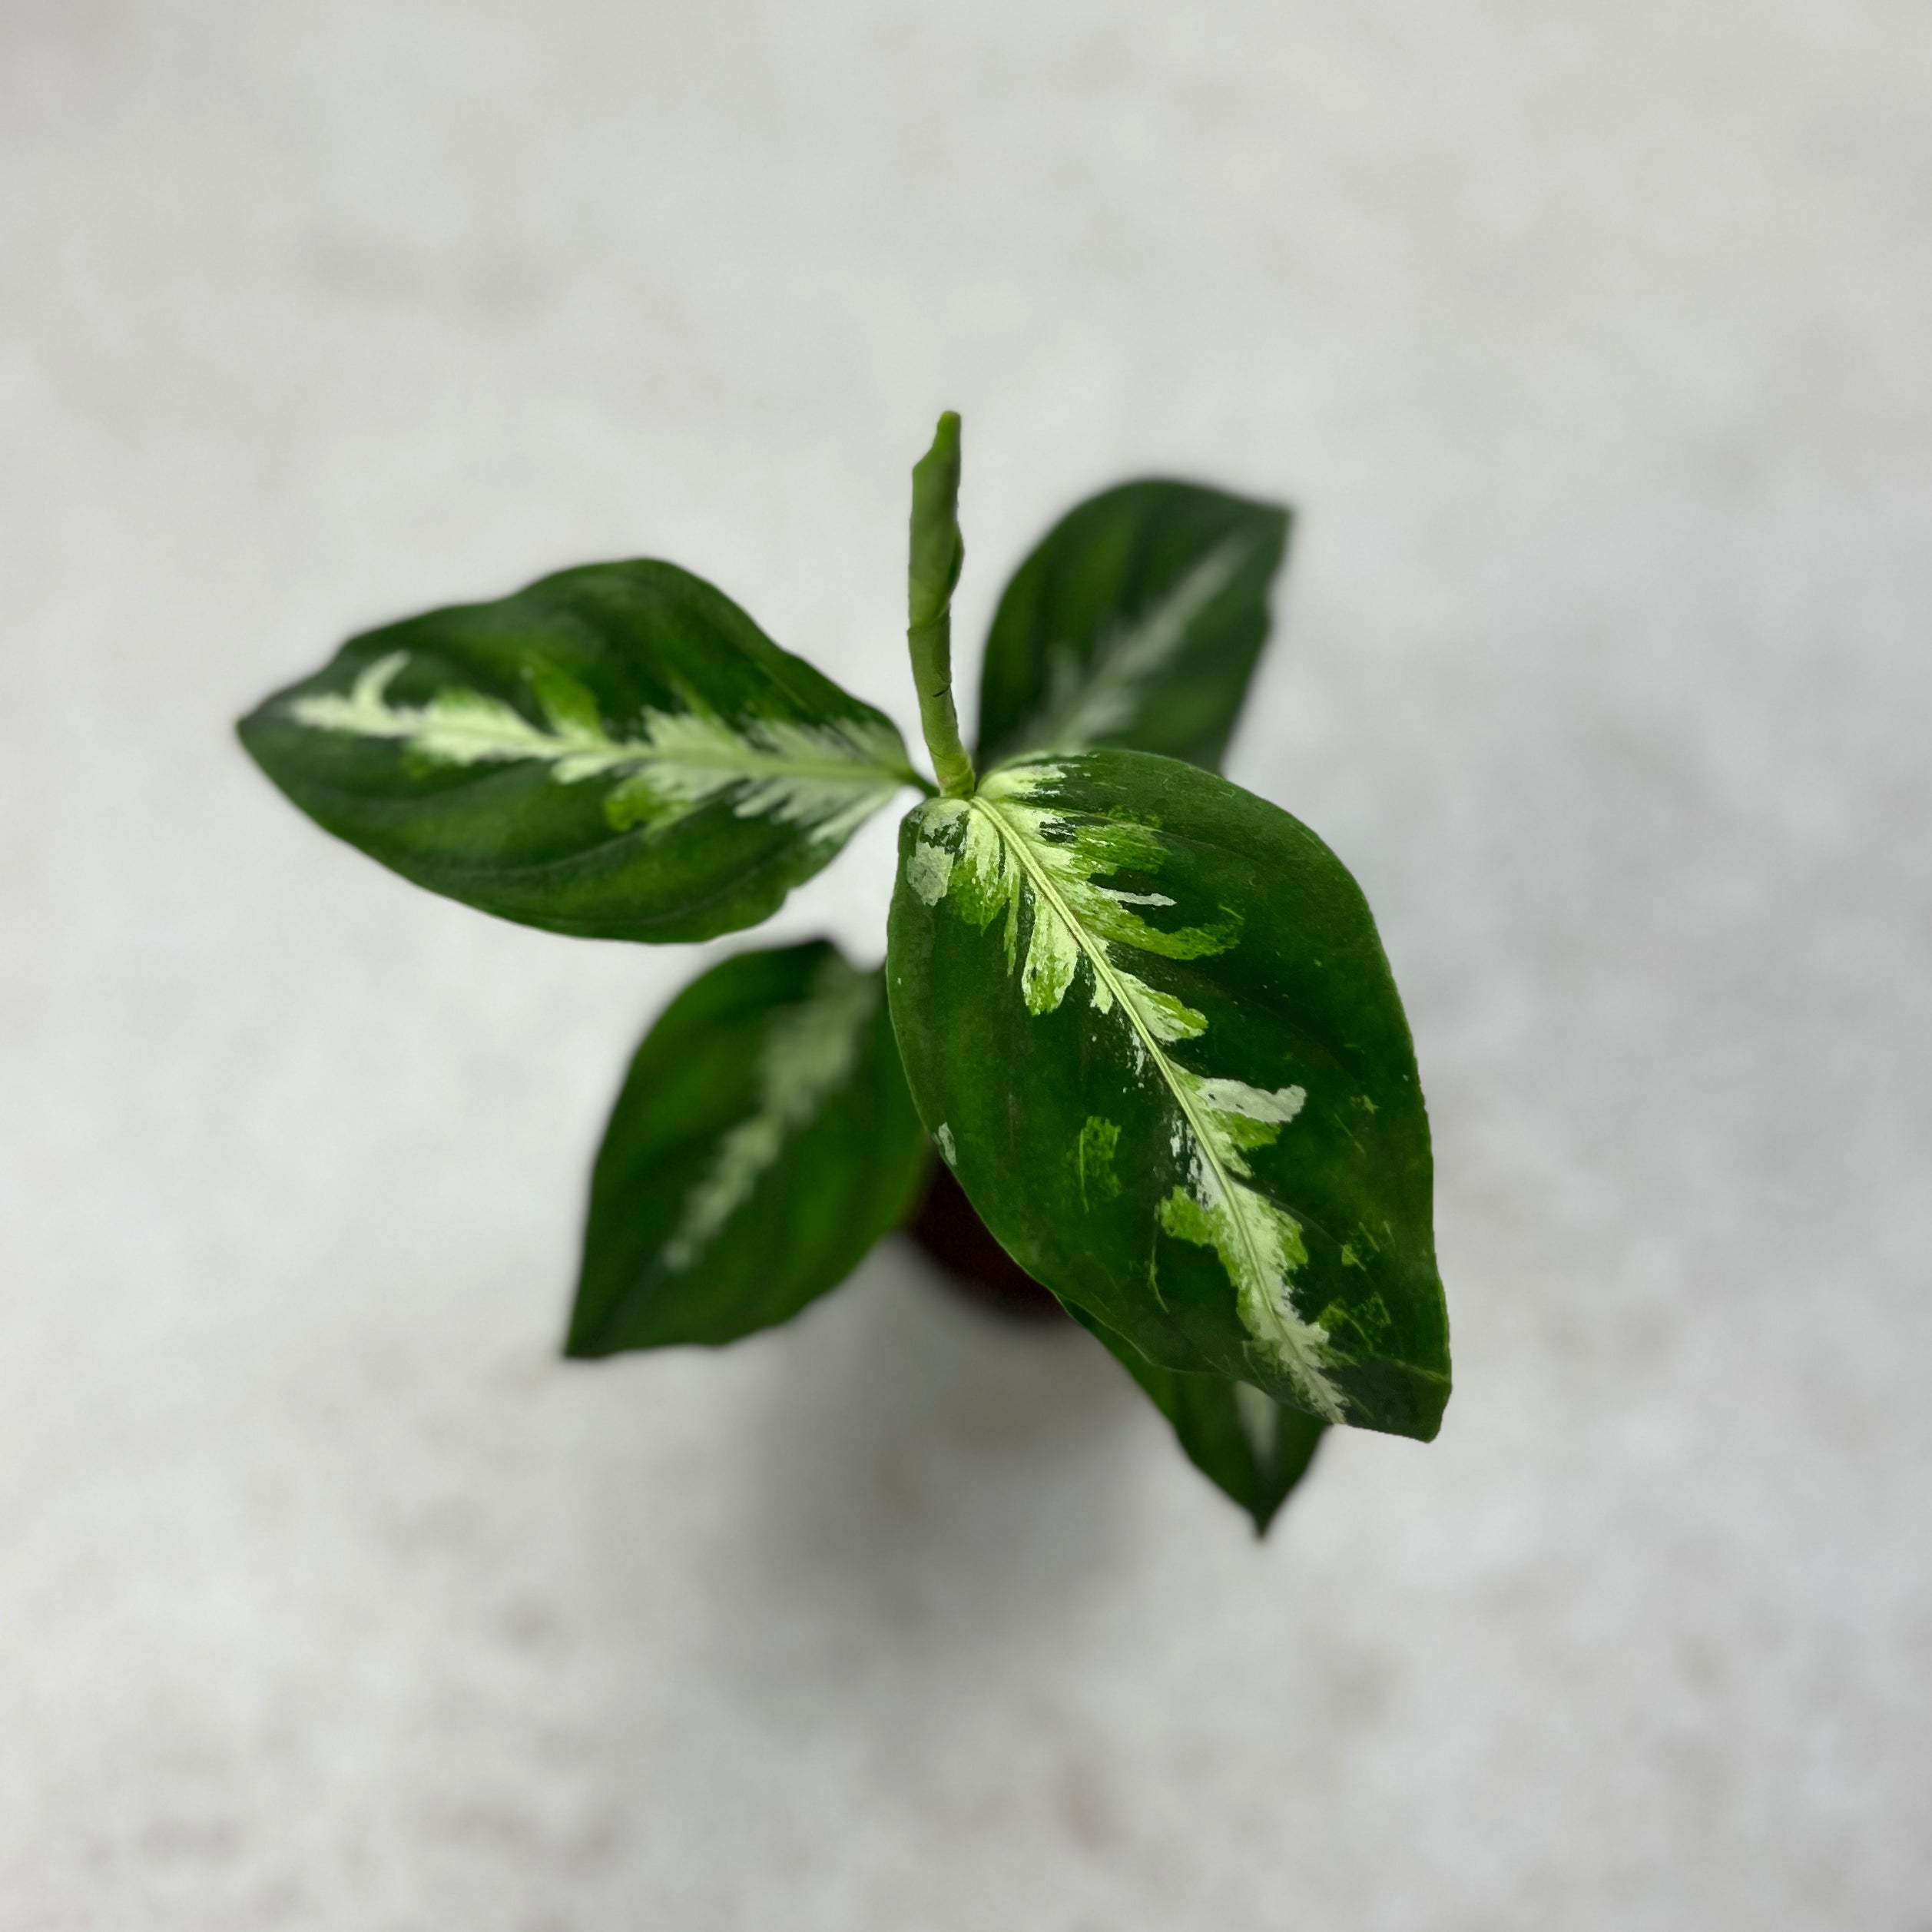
(1306,1368)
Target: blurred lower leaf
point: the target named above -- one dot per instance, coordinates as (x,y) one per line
(1245,1443)
(763,1141)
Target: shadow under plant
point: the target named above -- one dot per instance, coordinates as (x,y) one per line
(1142,1016)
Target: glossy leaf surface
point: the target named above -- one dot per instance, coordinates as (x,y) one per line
(1136,622)
(617,752)
(1148,1020)
(763,1141)
(1247,1444)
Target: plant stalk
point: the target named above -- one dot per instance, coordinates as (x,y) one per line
(938,551)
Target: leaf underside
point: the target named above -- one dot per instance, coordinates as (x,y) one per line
(1149,1016)
(763,1140)
(616,752)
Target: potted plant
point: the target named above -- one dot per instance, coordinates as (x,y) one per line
(1142,1015)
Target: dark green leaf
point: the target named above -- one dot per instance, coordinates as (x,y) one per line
(1147,1017)
(763,1140)
(1240,1440)
(1137,622)
(617,752)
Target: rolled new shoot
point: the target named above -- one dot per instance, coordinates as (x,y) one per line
(938,551)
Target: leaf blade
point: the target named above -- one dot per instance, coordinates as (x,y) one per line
(1136,622)
(1251,1447)
(762,1141)
(616,751)
(1171,1107)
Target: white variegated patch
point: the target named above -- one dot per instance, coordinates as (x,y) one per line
(825,778)
(1008,850)
(1260,1244)
(1260,1423)
(1086,702)
(1001,853)
(810,1049)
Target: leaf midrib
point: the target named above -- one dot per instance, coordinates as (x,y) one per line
(1095,950)
(558,740)
(768,764)
(618,753)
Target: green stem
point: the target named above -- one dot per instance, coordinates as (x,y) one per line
(937,552)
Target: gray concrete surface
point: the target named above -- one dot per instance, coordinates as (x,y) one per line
(1593,341)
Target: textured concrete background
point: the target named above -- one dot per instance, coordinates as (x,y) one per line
(1593,341)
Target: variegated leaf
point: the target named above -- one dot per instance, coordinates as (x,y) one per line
(617,752)
(1136,622)
(763,1141)
(1245,1443)
(1147,1017)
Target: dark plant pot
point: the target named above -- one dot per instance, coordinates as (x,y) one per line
(970,1261)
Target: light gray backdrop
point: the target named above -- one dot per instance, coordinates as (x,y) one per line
(1593,341)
